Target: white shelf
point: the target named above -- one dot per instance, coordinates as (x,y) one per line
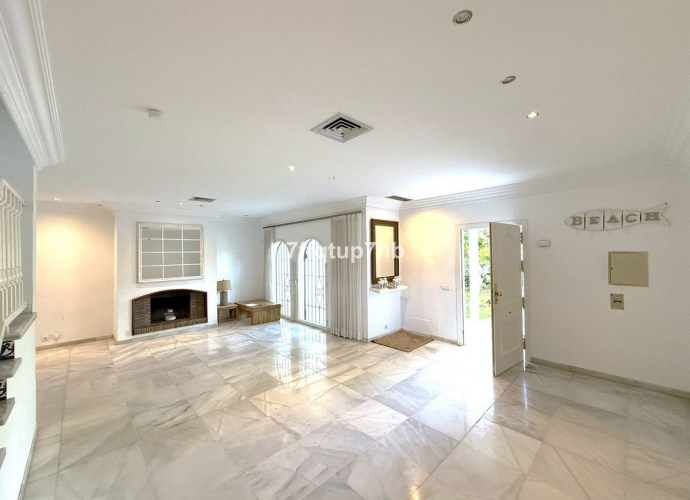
(388,290)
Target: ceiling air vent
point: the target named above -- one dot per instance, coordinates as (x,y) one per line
(202,199)
(341,128)
(398,198)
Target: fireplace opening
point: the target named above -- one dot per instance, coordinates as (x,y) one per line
(149,311)
(160,307)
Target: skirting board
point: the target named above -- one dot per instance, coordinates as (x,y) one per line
(614,378)
(72,342)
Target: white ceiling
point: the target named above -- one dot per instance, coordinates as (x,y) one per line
(242,82)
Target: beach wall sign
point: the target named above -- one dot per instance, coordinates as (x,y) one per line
(606,220)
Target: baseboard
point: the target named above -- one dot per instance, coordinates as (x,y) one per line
(369,339)
(73,342)
(613,378)
(22,490)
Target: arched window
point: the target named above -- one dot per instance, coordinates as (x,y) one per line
(281,268)
(314,280)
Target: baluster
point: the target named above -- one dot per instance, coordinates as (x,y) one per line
(4,197)
(11,276)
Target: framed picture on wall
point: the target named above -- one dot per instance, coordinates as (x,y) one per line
(170,252)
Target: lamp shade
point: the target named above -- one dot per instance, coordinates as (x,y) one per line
(224,285)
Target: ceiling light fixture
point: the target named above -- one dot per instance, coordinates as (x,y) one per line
(56,199)
(331,177)
(462,17)
(156,115)
(533,114)
(508,79)
(291,168)
(179,203)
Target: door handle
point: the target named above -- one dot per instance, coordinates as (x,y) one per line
(497,294)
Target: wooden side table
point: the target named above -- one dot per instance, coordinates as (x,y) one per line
(261,311)
(230,308)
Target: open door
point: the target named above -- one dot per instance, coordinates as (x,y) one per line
(506,296)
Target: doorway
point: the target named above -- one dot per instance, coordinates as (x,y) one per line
(476,293)
(491,291)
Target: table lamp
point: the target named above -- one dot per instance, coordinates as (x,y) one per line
(223,287)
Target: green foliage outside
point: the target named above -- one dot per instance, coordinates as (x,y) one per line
(485,266)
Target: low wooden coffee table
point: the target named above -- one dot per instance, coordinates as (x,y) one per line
(261,311)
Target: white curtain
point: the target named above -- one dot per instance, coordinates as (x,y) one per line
(346,278)
(269,245)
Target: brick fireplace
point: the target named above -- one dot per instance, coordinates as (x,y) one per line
(149,311)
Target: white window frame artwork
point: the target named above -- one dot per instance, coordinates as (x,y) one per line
(143,256)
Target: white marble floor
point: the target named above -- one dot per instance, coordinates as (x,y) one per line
(282,411)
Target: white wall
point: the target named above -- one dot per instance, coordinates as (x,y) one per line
(571,322)
(17,434)
(239,258)
(17,167)
(240,243)
(75,279)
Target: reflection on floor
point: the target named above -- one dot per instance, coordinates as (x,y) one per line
(284,411)
(478,339)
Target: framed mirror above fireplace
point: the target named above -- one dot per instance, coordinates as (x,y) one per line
(170,252)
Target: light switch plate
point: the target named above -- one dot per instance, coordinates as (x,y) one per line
(445,288)
(617,301)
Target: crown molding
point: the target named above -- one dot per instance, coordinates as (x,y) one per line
(26,83)
(116,207)
(67,207)
(383,203)
(583,179)
(316,211)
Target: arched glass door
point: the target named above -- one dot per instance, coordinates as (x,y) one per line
(281,269)
(314,283)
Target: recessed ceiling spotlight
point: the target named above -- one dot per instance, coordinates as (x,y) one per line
(533,114)
(462,17)
(331,177)
(179,203)
(56,199)
(156,115)
(508,79)
(291,168)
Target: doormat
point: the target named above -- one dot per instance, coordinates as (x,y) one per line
(403,341)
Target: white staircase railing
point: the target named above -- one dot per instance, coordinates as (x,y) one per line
(11,286)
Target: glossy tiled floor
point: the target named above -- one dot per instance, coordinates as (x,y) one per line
(283,411)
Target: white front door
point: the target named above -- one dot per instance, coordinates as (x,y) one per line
(506,303)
